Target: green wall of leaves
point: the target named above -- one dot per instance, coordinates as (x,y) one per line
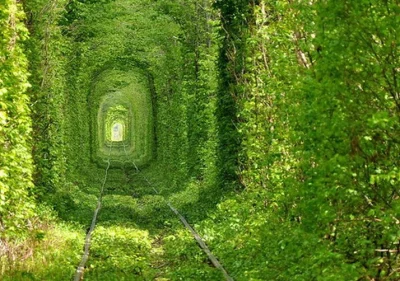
(313,86)
(16,167)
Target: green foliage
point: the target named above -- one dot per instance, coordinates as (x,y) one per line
(318,123)
(186,261)
(47,49)
(119,253)
(16,204)
(234,15)
(48,252)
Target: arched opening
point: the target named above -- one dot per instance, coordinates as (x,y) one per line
(123,127)
(117,132)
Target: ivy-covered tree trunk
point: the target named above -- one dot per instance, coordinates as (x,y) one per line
(236,21)
(47,65)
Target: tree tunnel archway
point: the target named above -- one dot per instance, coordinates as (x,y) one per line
(122,127)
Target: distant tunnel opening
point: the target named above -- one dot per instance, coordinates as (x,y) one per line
(117,132)
(123,125)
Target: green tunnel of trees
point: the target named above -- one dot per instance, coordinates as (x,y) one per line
(120,99)
(274,126)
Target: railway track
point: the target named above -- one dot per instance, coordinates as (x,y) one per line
(111,182)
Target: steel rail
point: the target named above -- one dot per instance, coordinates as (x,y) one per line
(85,256)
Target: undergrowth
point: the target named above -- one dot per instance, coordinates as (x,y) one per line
(50,251)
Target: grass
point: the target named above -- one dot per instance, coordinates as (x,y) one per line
(50,252)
